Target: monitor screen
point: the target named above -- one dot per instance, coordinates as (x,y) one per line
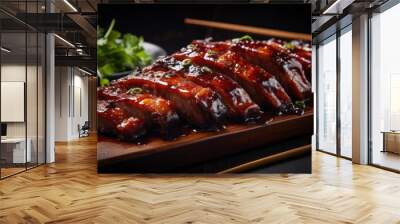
(3,129)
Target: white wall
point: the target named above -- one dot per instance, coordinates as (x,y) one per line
(71,93)
(12,73)
(33,127)
(61,104)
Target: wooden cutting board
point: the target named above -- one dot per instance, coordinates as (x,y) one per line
(158,155)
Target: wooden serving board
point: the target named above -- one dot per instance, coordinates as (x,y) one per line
(159,155)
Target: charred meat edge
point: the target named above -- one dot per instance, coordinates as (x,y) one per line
(200,106)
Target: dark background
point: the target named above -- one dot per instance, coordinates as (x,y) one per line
(163,24)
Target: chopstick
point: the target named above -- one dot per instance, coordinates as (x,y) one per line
(249,29)
(268,160)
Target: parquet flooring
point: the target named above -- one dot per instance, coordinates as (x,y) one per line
(71,191)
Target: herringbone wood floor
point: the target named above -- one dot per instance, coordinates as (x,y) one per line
(70,191)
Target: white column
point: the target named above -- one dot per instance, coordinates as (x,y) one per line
(314,85)
(360,90)
(50,99)
(50,92)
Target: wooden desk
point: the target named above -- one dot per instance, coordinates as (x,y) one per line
(391,141)
(13,150)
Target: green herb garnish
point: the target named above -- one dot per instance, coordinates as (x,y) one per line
(191,46)
(186,62)
(289,46)
(118,53)
(211,52)
(300,104)
(133,91)
(244,38)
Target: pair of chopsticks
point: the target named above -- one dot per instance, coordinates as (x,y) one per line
(249,29)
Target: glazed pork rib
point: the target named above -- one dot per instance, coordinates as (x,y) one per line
(287,69)
(200,106)
(263,88)
(109,93)
(294,50)
(302,49)
(205,83)
(156,111)
(116,122)
(239,104)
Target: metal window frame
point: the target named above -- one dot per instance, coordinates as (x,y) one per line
(381,9)
(44,74)
(339,32)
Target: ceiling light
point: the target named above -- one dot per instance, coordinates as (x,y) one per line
(70,5)
(337,7)
(84,71)
(328,10)
(5,50)
(64,40)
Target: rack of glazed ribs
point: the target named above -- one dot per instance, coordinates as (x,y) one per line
(210,99)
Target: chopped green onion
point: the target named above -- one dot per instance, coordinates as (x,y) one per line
(289,46)
(211,52)
(191,46)
(245,37)
(206,69)
(135,90)
(186,62)
(300,104)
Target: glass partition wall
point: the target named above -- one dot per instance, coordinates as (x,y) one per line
(22,77)
(334,93)
(385,89)
(345,92)
(327,96)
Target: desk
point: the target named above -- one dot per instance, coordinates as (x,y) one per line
(391,141)
(13,150)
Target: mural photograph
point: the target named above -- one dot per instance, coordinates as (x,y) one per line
(199,89)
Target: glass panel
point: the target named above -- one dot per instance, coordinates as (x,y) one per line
(41,99)
(385,84)
(31,99)
(13,86)
(346,94)
(327,96)
(32,88)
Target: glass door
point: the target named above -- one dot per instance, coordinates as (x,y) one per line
(326,96)
(14,153)
(385,89)
(22,77)
(345,93)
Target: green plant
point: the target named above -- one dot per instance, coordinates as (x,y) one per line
(117,53)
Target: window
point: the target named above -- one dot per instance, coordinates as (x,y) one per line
(327,96)
(385,87)
(345,92)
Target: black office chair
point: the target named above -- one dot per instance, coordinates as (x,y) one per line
(84,130)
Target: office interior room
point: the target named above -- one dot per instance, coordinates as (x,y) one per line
(48,73)
(357,87)
(44,97)
(22,99)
